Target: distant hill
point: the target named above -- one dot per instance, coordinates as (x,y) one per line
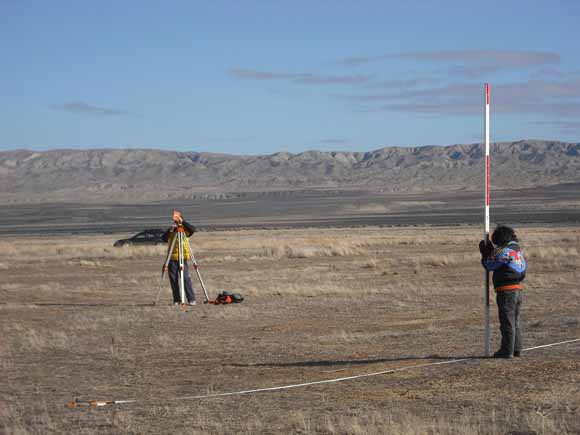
(134,175)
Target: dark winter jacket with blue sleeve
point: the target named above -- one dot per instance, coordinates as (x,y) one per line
(508,265)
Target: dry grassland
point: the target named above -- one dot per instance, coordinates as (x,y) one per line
(78,322)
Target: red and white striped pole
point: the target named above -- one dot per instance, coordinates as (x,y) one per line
(487,337)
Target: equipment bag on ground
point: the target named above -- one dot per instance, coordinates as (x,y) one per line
(228,298)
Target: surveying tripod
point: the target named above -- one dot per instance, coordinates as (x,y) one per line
(182,242)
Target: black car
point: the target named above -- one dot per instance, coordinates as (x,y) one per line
(146,237)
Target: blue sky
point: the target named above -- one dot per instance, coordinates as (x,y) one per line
(255,77)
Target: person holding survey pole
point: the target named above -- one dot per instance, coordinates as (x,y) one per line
(504,256)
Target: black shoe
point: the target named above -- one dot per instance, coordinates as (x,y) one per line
(517,354)
(501,354)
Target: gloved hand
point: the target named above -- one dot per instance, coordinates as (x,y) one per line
(486,248)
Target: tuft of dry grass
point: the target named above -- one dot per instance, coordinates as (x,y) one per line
(38,340)
(370,263)
(310,250)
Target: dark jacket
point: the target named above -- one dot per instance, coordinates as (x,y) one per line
(508,266)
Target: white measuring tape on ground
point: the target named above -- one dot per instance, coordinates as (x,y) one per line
(98,403)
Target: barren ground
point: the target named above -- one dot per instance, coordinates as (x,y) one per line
(78,322)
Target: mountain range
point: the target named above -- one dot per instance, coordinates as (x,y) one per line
(143,175)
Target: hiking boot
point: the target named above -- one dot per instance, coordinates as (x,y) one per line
(502,354)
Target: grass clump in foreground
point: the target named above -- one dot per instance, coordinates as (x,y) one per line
(196,419)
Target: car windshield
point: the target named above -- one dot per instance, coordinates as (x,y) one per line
(147,235)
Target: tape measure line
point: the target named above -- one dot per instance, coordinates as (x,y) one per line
(100,403)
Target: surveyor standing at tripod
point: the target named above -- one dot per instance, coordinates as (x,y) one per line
(179,258)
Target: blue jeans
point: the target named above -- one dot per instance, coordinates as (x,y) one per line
(174,280)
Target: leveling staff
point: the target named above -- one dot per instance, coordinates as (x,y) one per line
(173,267)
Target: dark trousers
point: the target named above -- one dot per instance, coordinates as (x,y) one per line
(509,304)
(174,280)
